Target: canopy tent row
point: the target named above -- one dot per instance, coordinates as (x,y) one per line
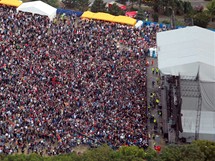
(38,7)
(109,18)
(14,3)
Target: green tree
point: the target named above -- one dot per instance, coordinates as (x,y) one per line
(187,7)
(34,157)
(115,10)
(70,3)
(15,157)
(182,153)
(81,5)
(98,6)
(53,3)
(207,147)
(201,19)
(102,153)
(140,15)
(179,7)
(211,8)
(64,157)
(127,153)
(150,155)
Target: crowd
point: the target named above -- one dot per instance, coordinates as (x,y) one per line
(71,82)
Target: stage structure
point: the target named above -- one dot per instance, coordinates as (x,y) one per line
(186,59)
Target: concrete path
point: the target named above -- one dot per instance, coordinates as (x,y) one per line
(156,137)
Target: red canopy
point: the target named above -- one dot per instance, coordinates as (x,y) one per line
(123,7)
(131,14)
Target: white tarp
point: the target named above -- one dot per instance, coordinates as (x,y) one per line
(190,52)
(207,124)
(38,7)
(187,50)
(139,24)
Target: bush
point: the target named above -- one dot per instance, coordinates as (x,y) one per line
(197,151)
(201,19)
(98,6)
(207,148)
(187,7)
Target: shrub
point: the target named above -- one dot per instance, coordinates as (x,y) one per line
(201,19)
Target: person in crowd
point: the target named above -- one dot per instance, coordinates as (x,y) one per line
(68,82)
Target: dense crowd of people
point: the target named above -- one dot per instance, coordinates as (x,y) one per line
(69,81)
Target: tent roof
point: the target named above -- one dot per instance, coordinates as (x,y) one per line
(103,16)
(125,20)
(87,14)
(38,7)
(109,17)
(190,52)
(187,51)
(15,3)
(131,14)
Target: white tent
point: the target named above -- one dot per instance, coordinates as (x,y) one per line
(190,53)
(139,24)
(38,7)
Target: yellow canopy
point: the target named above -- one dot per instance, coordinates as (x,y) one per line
(125,20)
(109,17)
(103,16)
(14,3)
(87,14)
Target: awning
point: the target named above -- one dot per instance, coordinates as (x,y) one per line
(103,16)
(109,17)
(125,20)
(14,3)
(123,7)
(131,14)
(87,14)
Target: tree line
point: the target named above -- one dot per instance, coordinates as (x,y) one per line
(196,151)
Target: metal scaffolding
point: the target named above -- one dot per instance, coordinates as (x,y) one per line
(190,87)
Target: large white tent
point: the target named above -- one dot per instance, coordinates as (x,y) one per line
(38,7)
(190,53)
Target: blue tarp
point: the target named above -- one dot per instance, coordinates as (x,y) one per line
(69,12)
(212,30)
